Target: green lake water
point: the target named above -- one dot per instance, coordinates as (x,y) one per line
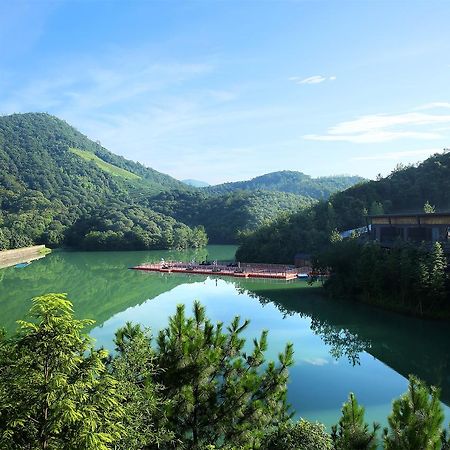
(339,346)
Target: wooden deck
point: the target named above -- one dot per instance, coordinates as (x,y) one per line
(268,271)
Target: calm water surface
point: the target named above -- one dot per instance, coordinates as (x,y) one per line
(339,347)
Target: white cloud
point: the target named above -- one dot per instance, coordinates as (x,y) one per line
(315,79)
(316,361)
(433,105)
(385,127)
(395,156)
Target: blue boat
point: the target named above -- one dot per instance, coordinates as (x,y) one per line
(302,276)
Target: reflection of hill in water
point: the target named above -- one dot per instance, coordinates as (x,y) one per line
(407,345)
(99,284)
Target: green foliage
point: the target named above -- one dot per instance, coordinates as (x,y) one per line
(54,181)
(121,227)
(405,189)
(278,242)
(445,438)
(428,209)
(55,184)
(376,208)
(229,216)
(196,389)
(335,236)
(416,419)
(399,277)
(301,435)
(134,367)
(219,393)
(352,433)
(54,389)
(437,263)
(405,277)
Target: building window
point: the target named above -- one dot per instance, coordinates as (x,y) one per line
(419,234)
(389,234)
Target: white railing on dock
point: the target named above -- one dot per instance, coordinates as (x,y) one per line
(258,268)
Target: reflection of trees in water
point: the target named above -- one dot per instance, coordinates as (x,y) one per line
(407,345)
(99,285)
(342,341)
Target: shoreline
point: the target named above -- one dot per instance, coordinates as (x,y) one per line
(15,256)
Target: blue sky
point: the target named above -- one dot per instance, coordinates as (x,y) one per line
(228,90)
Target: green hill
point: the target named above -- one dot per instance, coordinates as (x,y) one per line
(405,189)
(54,180)
(228,216)
(231,210)
(291,182)
(57,187)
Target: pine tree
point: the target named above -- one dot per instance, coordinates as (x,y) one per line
(416,419)
(376,208)
(133,366)
(445,438)
(218,394)
(428,208)
(437,275)
(335,236)
(352,433)
(301,435)
(54,389)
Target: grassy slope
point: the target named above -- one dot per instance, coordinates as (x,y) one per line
(107,167)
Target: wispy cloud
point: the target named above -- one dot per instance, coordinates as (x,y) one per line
(433,105)
(396,156)
(100,85)
(315,79)
(316,361)
(374,128)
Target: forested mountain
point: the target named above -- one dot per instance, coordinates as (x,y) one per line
(292,182)
(54,180)
(58,187)
(405,189)
(226,217)
(41,136)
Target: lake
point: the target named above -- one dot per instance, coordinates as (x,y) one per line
(340,347)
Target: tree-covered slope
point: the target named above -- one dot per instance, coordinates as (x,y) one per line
(228,216)
(34,140)
(58,187)
(53,178)
(291,182)
(405,189)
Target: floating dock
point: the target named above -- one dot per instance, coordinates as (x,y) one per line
(270,271)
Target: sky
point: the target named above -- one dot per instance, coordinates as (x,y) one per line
(228,90)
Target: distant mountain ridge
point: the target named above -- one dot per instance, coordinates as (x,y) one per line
(58,187)
(195,183)
(291,182)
